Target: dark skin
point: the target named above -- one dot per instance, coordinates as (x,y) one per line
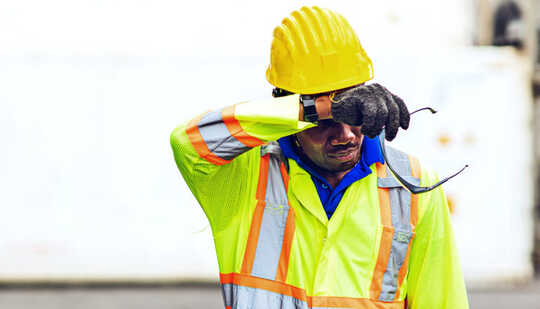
(331,148)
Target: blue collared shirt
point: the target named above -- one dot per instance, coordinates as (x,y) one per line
(330,198)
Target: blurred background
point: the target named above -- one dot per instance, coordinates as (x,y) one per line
(94,213)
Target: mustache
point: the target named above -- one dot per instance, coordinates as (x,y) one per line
(345,147)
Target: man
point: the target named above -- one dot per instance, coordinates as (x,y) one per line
(315,220)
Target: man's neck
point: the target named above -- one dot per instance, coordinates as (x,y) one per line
(333,178)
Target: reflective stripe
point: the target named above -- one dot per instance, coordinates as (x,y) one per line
(290,226)
(381,171)
(256,220)
(242,297)
(218,137)
(400,162)
(402,213)
(263,284)
(244,291)
(385,246)
(416,173)
(400,201)
(253,237)
(196,139)
(285,176)
(236,130)
(391,182)
(270,242)
(283,265)
(264,270)
(263,178)
(404,267)
(272,229)
(332,302)
(276,193)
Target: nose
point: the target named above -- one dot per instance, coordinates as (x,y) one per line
(341,134)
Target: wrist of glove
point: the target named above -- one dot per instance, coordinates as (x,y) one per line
(373,107)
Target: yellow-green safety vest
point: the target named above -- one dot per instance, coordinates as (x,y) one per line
(276,248)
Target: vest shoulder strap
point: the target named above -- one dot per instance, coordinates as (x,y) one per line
(273,149)
(403,165)
(398,216)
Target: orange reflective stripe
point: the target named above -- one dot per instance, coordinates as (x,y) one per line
(350,302)
(403,270)
(384,205)
(416,172)
(415,167)
(235,129)
(386,243)
(382,262)
(253,237)
(256,221)
(381,170)
(264,284)
(414,210)
(300,294)
(196,139)
(283,266)
(263,177)
(284,175)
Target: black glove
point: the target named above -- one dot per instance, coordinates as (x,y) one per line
(373,107)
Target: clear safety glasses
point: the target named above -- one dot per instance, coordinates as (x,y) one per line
(404,183)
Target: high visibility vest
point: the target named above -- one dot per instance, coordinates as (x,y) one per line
(266,261)
(275,246)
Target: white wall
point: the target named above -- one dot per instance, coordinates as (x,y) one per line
(90,90)
(484,119)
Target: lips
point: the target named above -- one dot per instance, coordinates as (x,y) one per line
(343,155)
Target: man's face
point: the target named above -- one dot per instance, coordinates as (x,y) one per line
(331,146)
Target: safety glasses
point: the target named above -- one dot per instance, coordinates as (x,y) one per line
(404,183)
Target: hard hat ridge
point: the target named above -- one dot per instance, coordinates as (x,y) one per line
(315,50)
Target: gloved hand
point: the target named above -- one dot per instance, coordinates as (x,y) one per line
(371,106)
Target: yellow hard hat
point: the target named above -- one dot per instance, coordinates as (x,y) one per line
(315,50)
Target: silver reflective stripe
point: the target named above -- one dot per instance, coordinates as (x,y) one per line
(400,162)
(275,214)
(275,189)
(242,297)
(391,182)
(274,149)
(271,147)
(218,138)
(400,201)
(227,291)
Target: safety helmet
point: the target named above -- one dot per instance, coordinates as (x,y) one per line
(315,50)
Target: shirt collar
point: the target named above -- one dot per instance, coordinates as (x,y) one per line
(370,153)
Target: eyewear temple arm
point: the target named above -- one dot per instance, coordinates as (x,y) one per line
(407,185)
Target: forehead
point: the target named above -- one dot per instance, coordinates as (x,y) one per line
(326,123)
(327,128)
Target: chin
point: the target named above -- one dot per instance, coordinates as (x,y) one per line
(345,166)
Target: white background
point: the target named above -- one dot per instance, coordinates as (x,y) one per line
(90,91)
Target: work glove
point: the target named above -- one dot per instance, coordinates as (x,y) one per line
(371,106)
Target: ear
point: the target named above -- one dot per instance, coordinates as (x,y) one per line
(296,143)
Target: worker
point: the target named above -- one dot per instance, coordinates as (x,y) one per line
(303,210)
